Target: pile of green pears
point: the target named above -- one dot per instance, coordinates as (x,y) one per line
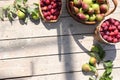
(89,10)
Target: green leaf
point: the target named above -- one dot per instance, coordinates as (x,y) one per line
(94,49)
(10,16)
(93,68)
(108,70)
(34,13)
(12,9)
(105,78)
(36,4)
(30,10)
(91,78)
(26,20)
(99,50)
(23,10)
(6,7)
(18,2)
(108,64)
(24,1)
(94,54)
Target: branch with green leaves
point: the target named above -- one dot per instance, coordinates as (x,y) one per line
(97,52)
(21,9)
(97,55)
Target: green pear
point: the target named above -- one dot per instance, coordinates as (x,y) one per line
(92,17)
(85,7)
(104,8)
(86,67)
(87,16)
(99,17)
(80,10)
(75,10)
(96,8)
(92,61)
(81,16)
(77,3)
(35,17)
(20,14)
(90,11)
(89,2)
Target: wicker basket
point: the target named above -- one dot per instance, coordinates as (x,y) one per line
(99,37)
(43,16)
(91,22)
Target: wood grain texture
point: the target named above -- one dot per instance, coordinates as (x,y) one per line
(15,68)
(50,51)
(49,46)
(64,26)
(68,76)
(50,65)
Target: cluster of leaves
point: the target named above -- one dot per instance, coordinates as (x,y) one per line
(98,52)
(108,70)
(21,9)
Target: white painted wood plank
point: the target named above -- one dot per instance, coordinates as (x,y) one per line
(69,76)
(64,26)
(71,62)
(15,68)
(49,65)
(48,46)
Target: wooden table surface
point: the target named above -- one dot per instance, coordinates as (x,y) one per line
(50,51)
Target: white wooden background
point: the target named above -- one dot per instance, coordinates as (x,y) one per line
(50,51)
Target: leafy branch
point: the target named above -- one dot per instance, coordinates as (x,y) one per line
(21,9)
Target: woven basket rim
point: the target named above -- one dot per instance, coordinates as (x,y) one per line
(85,22)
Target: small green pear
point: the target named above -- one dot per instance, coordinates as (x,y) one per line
(96,8)
(86,67)
(77,3)
(90,11)
(35,16)
(20,14)
(75,10)
(93,61)
(87,16)
(99,17)
(81,16)
(80,10)
(92,17)
(89,2)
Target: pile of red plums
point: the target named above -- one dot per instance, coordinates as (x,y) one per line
(50,9)
(110,30)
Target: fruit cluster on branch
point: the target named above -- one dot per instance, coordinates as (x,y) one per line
(21,10)
(97,55)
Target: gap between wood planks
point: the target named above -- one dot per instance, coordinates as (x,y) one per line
(70,72)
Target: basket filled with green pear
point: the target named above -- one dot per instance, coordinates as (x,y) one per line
(90,11)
